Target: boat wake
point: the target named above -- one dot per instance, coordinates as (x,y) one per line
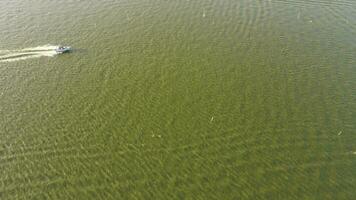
(28,53)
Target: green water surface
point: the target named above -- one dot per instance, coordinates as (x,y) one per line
(179,99)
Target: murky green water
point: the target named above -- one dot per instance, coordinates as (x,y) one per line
(163,99)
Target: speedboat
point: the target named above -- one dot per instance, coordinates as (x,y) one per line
(63,49)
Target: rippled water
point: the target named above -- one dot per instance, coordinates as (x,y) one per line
(163,99)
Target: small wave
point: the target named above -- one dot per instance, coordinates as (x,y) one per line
(28,53)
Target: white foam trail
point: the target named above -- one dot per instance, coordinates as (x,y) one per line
(28,53)
(41,48)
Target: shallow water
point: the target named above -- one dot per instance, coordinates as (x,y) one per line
(163,99)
